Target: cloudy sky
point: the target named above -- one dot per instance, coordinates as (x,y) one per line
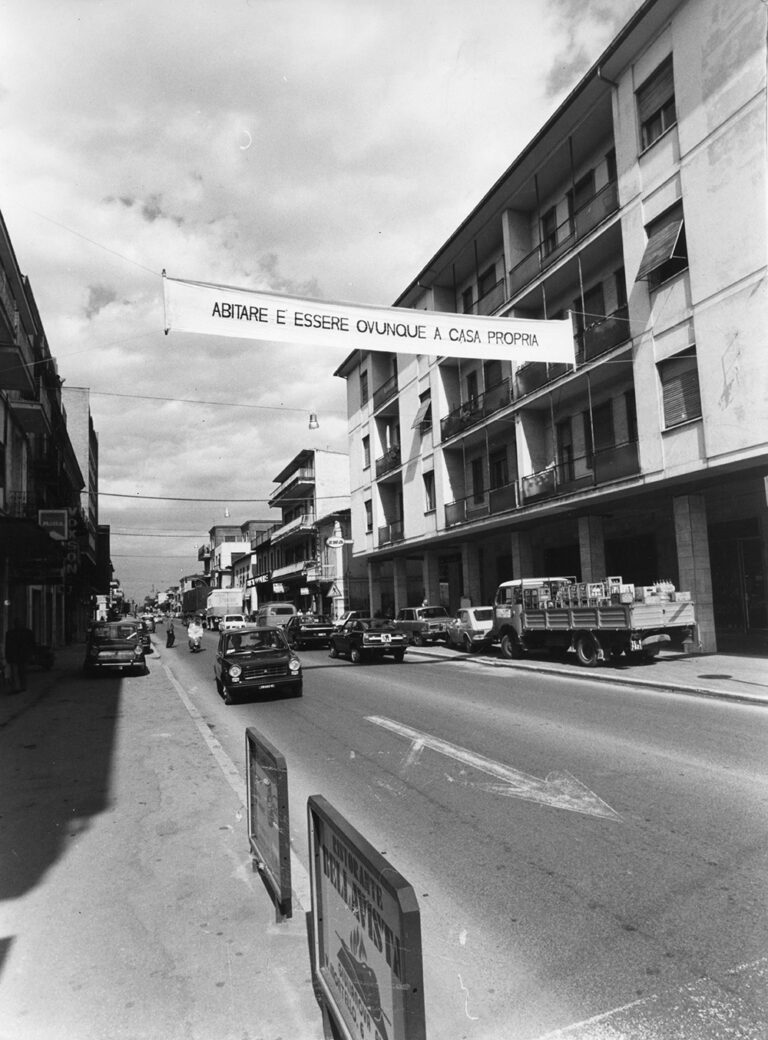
(321,148)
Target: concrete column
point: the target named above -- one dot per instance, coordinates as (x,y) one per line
(470,564)
(690,513)
(522,555)
(374,587)
(592,548)
(431,577)
(400,582)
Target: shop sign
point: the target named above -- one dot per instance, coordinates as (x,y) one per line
(334,543)
(366,934)
(277,586)
(56,523)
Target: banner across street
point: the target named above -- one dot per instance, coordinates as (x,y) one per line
(221,310)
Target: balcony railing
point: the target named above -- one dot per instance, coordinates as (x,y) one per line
(473,507)
(602,335)
(564,237)
(474,411)
(384,392)
(298,525)
(305,475)
(391,533)
(389,460)
(490,300)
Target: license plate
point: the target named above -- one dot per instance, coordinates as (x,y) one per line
(112,654)
(386,637)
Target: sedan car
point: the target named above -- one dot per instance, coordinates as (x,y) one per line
(424,624)
(362,639)
(306,630)
(471,628)
(115,646)
(254,659)
(231,621)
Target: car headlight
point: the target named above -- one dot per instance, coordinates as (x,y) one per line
(235,671)
(294,664)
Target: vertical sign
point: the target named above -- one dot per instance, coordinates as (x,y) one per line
(268,817)
(366,934)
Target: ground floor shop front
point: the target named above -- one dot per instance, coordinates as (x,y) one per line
(709,537)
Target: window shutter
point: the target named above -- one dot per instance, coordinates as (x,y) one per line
(663,235)
(680,386)
(656,91)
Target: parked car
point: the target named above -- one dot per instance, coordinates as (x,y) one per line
(275,614)
(362,639)
(307,630)
(144,639)
(149,621)
(471,628)
(254,659)
(350,614)
(231,621)
(424,624)
(115,646)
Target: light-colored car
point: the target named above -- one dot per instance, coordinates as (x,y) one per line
(425,624)
(231,621)
(471,628)
(275,614)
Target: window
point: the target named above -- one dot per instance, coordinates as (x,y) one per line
(610,165)
(565,449)
(631,410)
(478,480)
(486,281)
(549,231)
(666,253)
(366,452)
(620,281)
(656,104)
(472,387)
(467,302)
(423,418)
(679,377)
(598,431)
(429,492)
(368,515)
(497,463)
(363,388)
(491,374)
(583,191)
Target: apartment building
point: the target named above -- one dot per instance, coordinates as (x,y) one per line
(306,556)
(51,553)
(639,209)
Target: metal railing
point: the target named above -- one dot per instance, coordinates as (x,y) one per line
(476,410)
(391,533)
(388,461)
(383,393)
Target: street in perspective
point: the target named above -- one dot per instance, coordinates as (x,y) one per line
(588,850)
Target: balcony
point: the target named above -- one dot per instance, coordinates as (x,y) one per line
(17,359)
(472,412)
(497,500)
(603,336)
(490,300)
(300,483)
(385,392)
(300,525)
(564,237)
(389,460)
(391,533)
(296,569)
(33,416)
(602,467)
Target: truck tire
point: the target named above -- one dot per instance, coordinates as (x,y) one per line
(587,649)
(510,646)
(417,639)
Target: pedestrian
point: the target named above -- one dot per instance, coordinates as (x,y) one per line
(170,635)
(19,645)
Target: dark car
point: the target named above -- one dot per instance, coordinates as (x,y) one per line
(115,646)
(254,659)
(306,630)
(362,639)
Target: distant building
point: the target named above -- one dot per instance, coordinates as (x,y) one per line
(640,209)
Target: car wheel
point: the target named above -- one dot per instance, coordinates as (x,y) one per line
(219,688)
(467,643)
(355,656)
(399,656)
(510,646)
(228,696)
(418,639)
(332,651)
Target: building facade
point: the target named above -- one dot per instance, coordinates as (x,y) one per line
(640,210)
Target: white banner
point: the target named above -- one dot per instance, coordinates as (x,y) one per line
(221,310)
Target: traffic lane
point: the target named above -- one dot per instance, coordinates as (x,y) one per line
(472,849)
(600,895)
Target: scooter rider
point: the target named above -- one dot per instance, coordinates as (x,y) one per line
(194,634)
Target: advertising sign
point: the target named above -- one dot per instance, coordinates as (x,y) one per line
(366,934)
(55,521)
(224,310)
(268,817)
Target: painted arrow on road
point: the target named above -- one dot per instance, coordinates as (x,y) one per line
(559,790)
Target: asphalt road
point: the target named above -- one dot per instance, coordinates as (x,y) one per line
(589,860)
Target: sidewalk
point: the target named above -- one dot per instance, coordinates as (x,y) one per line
(129,907)
(740,677)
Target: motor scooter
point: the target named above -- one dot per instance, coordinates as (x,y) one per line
(194,645)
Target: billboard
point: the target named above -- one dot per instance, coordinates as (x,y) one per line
(366,934)
(268,817)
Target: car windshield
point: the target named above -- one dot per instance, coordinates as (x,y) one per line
(245,642)
(429,612)
(484,614)
(315,619)
(107,633)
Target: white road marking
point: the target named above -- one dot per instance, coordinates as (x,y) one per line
(299,876)
(559,789)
